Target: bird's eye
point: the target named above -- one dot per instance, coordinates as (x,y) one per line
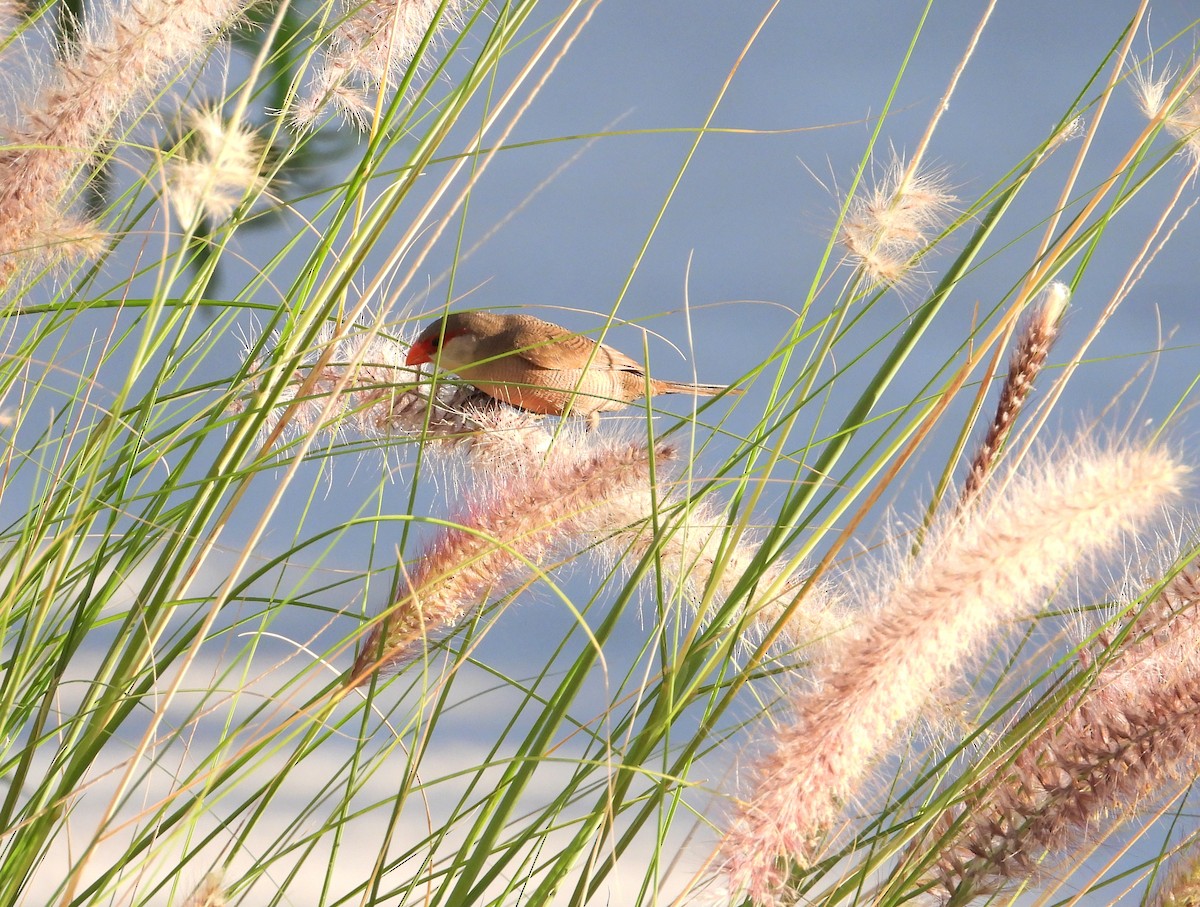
(439,338)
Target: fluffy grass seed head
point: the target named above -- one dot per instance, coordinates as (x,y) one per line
(1181,885)
(509,531)
(1135,727)
(369,50)
(11,13)
(701,555)
(209,893)
(889,225)
(1073,129)
(1182,120)
(117,62)
(1035,337)
(979,571)
(215,166)
(378,391)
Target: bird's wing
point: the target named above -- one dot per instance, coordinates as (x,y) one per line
(573,351)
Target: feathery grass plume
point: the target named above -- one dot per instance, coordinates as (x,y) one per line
(887,228)
(1136,727)
(11,12)
(216,165)
(1182,121)
(111,67)
(503,438)
(980,569)
(1181,886)
(505,536)
(1073,129)
(1172,609)
(208,893)
(369,50)
(699,551)
(1037,336)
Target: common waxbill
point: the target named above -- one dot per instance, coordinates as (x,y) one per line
(540,367)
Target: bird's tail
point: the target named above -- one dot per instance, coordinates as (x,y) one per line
(698,390)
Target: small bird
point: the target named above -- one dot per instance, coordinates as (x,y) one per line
(540,367)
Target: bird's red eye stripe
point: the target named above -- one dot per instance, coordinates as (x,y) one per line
(425,349)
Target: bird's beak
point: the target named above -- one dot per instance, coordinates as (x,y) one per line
(420,352)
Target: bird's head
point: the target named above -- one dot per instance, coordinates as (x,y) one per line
(449,341)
